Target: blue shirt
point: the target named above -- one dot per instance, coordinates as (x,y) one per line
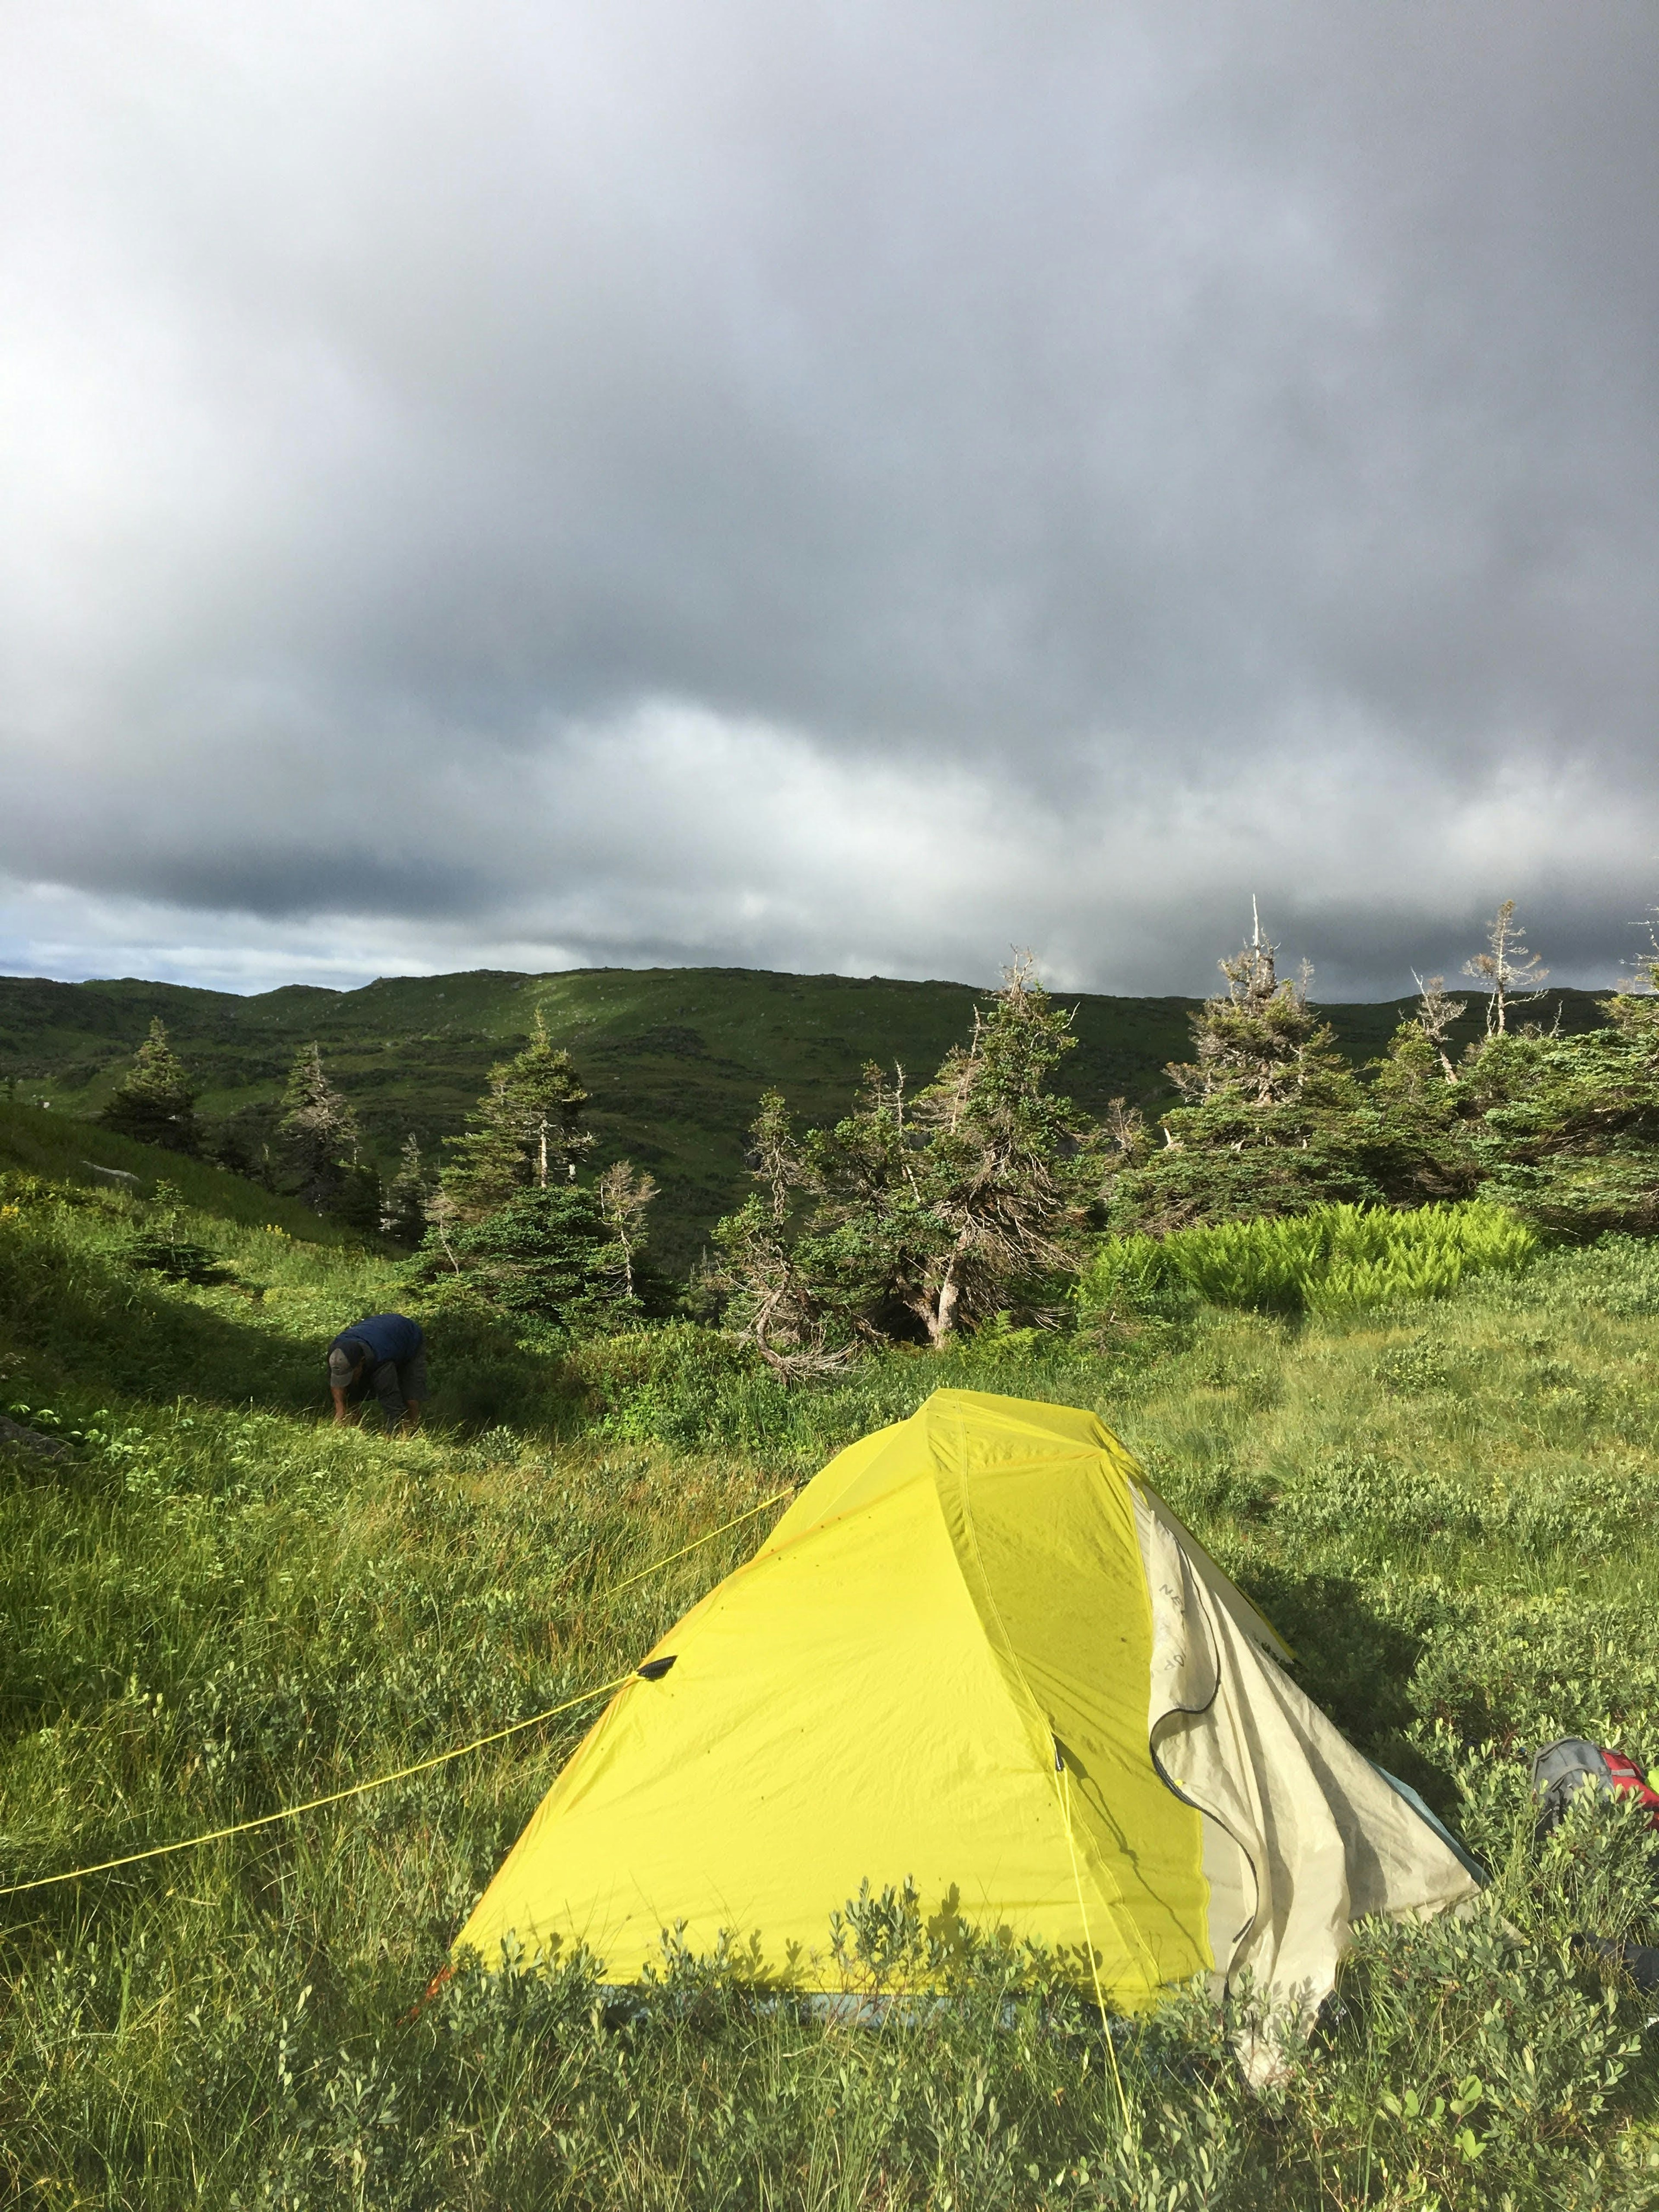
(388,1336)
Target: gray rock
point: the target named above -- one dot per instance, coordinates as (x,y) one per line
(127,1181)
(31,1440)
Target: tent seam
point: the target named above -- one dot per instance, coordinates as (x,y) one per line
(1117,1907)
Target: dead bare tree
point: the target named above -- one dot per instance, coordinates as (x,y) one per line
(625,1194)
(1641,979)
(1435,1012)
(1506,971)
(1126,1129)
(443,1214)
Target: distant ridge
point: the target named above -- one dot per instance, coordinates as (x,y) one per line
(675,1058)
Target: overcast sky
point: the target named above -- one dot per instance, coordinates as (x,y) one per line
(843,487)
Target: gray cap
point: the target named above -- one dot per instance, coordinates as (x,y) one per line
(342,1366)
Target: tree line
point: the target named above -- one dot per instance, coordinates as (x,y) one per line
(931,1209)
(1274,1120)
(506,1221)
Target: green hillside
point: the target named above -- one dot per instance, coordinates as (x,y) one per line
(676,1057)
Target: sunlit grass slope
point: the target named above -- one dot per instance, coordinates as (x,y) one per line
(58,1145)
(215,1605)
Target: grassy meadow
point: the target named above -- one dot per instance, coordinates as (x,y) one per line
(213,1604)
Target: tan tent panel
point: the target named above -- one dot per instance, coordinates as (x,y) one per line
(978,1651)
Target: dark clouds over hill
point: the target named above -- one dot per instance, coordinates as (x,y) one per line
(830,488)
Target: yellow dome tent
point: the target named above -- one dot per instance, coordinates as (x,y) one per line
(977,1651)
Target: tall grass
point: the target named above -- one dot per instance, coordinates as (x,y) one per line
(216,1604)
(1333,1259)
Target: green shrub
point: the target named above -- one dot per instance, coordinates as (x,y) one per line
(680,1383)
(160,1245)
(545,1260)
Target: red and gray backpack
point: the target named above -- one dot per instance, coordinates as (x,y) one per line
(1561,1769)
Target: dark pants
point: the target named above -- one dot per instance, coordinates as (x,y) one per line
(393,1382)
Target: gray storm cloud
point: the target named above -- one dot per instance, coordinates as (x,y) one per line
(845,488)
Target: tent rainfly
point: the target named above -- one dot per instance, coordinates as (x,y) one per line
(978,1651)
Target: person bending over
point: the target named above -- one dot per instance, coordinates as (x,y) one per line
(385,1354)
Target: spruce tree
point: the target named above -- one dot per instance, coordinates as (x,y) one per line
(360,1201)
(156,1102)
(546,1261)
(161,1243)
(486,1161)
(525,1132)
(1565,1129)
(755,1281)
(405,1214)
(1412,1125)
(1274,1120)
(510,1224)
(241,1143)
(1259,1039)
(317,1131)
(978,1196)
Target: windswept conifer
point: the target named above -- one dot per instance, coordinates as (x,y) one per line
(972,1203)
(1259,1042)
(925,1215)
(1565,1129)
(765,1297)
(1274,1120)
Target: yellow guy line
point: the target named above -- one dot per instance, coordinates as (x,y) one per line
(315,1804)
(1065,1796)
(421,1765)
(628,1581)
